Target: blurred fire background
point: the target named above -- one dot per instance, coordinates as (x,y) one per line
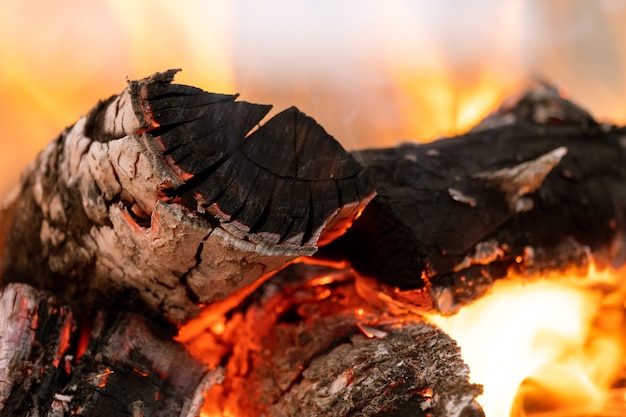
(372,74)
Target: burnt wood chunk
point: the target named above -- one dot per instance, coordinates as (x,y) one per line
(145,258)
(165,198)
(308,344)
(116,364)
(304,343)
(528,195)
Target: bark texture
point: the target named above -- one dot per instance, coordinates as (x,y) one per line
(306,343)
(167,196)
(166,200)
(54,364)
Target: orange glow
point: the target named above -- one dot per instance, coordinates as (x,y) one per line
(554,344)
(387,81)
(84,335)
(448,105)
(59,59)
(64,337)
(202,343)
(140,372)
(101,379)
(373,77)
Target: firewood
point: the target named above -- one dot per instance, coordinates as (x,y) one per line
(54,364)
(167,198)
(538,187)
(305,343)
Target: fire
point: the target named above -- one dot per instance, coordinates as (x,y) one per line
(59,60)
(437,102)
(395,76)
(553,344)
(373,76)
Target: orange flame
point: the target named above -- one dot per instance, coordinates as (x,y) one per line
(551,344)
(373,76)
(59,59)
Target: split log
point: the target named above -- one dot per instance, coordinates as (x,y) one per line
(539,186)
(165,196)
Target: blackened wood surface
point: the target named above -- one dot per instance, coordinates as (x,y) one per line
(117,365)
(165,197)
(439,224)
(303,344)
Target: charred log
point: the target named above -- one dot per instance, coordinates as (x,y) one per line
(166,199)
(306,343)
(540,186)
(303,344)
(120,364)
(167,196)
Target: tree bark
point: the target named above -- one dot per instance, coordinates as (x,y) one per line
(163,197)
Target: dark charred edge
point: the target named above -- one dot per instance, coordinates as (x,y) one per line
(164,129)
(142,96)
(100,380)
(309,228)
(39,379)
(165,77)
(187,191)
(94,125)
(183,279)
(263,217)
(379,244)
(201,176)
(132,376)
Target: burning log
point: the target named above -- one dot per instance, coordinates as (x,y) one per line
(164,202)
(53,364)
(303,344)
(306,344)
(157,203)
(163,194)
(538,186)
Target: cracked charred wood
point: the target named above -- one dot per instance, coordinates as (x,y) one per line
(305,343)
(170,197)
(119,364)
(538,186)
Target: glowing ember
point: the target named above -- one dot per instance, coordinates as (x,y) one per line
(546,345)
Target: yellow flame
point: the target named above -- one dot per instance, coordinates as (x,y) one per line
(443,105)
(560,340)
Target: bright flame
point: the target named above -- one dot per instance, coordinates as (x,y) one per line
(561,341)
(448,105)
